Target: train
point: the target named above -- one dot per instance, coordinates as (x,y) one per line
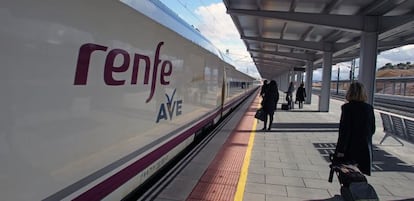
(97,96)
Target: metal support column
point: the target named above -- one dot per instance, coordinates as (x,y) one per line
(284,82)
(326,82)
(299,78)
(368,63)
(308,84)
(291,76)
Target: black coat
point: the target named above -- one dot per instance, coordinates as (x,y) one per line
(270,99)
(356,127)
(300,94)
(263,90)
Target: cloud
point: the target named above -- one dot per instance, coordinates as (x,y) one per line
(344,71)
(395,56)
(218,27)
(217,24)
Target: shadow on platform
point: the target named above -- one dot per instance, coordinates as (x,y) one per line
(300,110)
(297,127)
(304,127)
(339,198)
(335,198)
(382,160)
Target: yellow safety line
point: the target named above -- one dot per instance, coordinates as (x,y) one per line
(243,174)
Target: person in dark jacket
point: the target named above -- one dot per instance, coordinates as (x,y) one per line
(270,99)
(356,128)
(289,95)
(300,95)
(263,89)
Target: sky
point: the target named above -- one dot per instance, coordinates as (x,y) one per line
(211,19)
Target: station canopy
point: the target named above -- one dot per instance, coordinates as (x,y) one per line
(283,35)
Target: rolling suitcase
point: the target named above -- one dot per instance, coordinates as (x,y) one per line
(354,185)
(285,106)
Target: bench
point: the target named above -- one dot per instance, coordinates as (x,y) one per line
(409,128)
(392,129)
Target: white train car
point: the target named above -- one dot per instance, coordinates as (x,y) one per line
(98,95)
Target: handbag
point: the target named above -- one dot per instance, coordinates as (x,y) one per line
(350,174)
(260,114)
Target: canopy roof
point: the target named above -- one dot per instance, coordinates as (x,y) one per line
(283,34)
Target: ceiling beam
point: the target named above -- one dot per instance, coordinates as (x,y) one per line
(394,44)
(333,36)
(348,56)
(383,35)
(306,33)
(273,62)
(328,9)
(352,23)
(404,22)
(288,61)
(271,69)
(307,45)
(331,5)
(299,56)
(380,7)
(259,21)
(259,4)
(274,65)
(293,5)
(346,22)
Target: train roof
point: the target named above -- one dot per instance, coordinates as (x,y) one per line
(160,13)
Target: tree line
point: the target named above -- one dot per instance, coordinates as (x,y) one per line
(401,66)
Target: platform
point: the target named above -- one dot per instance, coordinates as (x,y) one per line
(287,163)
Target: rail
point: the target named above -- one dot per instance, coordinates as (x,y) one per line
(402,105)
(403,86)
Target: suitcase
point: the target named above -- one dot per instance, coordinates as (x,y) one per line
(285,106)
(359,191)
(354,185)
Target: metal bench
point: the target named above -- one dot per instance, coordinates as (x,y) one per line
(393,127)
(409,128)
(399,128)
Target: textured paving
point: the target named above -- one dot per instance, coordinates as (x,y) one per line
(220,180)
(289,162)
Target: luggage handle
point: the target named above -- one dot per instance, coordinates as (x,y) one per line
(331,173)
(332,158)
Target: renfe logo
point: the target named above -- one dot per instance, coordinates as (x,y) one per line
(85,54)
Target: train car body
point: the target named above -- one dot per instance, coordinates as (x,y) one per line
(96,96)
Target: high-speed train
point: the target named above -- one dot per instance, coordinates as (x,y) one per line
(98,95)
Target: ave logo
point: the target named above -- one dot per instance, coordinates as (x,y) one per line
(170,108)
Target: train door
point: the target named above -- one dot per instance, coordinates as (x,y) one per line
(223,91)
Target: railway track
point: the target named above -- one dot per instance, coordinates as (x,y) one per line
(402,105)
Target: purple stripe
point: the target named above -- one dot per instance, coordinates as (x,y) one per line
(110,184)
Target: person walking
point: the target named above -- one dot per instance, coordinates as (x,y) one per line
(289,95)
(300,95)
(356,128)
(269,103)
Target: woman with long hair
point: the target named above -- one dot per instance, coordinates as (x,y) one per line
(356,128)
